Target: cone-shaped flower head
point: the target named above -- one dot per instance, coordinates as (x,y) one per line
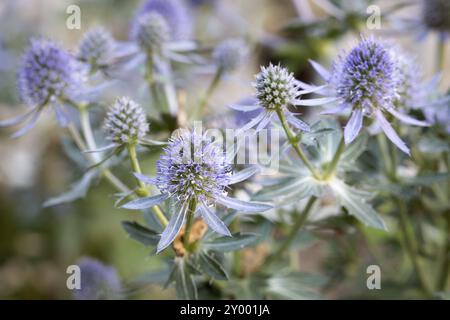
(193,167)
(175,12)
(230,54)
(96,47)
(98,281)
(275,87)
(372,79)
(366,77)
(152,31)
(126,122)
(48,72)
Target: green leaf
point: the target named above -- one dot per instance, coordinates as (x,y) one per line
(211,266)
(184,282)
(236,242)
(299,187)
(356,205)
(78,190)
(355,149)
(140,233)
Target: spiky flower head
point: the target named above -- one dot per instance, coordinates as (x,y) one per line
(175,12)
(193,167)
(366,77)
(152,31)
(436,15)
(48,72)
(96,47)
(230,54)
(275,87)
(126,122)
(98,281)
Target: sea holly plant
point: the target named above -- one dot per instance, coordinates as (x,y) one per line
(194,172)
(219,228)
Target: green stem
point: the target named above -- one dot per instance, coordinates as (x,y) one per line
(299,222)
(90,144)
(131,147)
(294,143)
(410,246)
(334,162)
(389,169)
(212,87)
(444,268)
(189,222)
(152,84)
(143,191)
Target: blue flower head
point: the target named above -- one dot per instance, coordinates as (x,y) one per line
(126,122)
(366,78)
(152,31)
(47,73)
(371,79)
(193,167)
(230,54)
(175,12)
(98,281)
(96,47)
(276,91)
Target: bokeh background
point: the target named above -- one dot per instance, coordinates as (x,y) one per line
(37,244)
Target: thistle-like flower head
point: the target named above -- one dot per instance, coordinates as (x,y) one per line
(152,31)
(193,167)
(48,72)
(366,77)
(126,122)
(275,87)
(98,281)
(194,170)
(436,15)
(230,54)
(175,12)
(96,47)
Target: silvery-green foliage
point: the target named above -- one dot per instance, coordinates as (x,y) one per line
(225,227)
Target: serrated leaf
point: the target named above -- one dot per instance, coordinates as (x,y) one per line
(140,233)
(236,242)
(78,190)
(211,266)
(356,205)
